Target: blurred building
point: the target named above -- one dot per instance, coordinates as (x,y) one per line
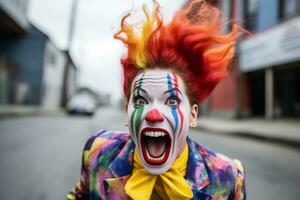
(59,77)
(32,69)
(26,54)
(13,24)
(265,77)
(13,16)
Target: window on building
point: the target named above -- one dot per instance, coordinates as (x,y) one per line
(250,14)
(289,8)
(226,7)
(50,58)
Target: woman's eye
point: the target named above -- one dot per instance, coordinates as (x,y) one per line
(173,101)
(140,101)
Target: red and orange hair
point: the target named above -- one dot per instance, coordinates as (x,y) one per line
(190,44)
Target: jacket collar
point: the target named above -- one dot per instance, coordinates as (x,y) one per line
(196,175)
(123,163)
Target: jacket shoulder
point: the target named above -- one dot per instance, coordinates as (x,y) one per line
(103,143)
(225,174)
(106,138)
(217,162)
(100,160)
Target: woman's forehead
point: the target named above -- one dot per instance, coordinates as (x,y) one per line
(159,78)
(159,82)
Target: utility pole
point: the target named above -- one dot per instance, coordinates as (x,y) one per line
(269,93)
(68,61)
(72,23)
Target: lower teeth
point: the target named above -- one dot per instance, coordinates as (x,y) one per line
(156,159)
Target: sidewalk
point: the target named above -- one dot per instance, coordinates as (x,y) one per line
(18,111)
(283,131)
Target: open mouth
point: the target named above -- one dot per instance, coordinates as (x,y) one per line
(156,145)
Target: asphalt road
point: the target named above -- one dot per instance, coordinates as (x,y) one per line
(40,157)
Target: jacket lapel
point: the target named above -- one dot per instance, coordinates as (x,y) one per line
(123,162)
(197,175)
(120,168)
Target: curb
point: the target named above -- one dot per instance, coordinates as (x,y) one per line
(12,112)
(255,136)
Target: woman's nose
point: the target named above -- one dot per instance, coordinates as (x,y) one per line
(154,116)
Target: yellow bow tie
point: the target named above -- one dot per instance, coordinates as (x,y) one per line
(169,185)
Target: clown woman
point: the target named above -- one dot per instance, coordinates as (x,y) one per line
(167,70)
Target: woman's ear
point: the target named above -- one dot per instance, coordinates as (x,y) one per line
(194,115)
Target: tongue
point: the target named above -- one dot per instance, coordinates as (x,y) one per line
(156,146)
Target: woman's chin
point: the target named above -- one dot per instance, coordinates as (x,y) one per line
(157,169)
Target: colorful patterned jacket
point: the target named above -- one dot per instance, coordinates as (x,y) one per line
(108,159)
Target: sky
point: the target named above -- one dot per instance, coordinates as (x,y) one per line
(93,48)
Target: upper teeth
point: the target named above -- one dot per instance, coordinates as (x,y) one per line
(155,133)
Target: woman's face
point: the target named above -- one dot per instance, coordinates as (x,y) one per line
(159,115)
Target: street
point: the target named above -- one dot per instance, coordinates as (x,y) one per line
(41,156)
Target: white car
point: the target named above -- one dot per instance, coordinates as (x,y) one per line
(82,104)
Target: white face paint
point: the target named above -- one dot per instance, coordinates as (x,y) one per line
(158,117)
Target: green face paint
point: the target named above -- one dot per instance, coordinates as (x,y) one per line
(136,118)
(138,110)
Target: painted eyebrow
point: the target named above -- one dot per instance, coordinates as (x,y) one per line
(173,89)
(138,87)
